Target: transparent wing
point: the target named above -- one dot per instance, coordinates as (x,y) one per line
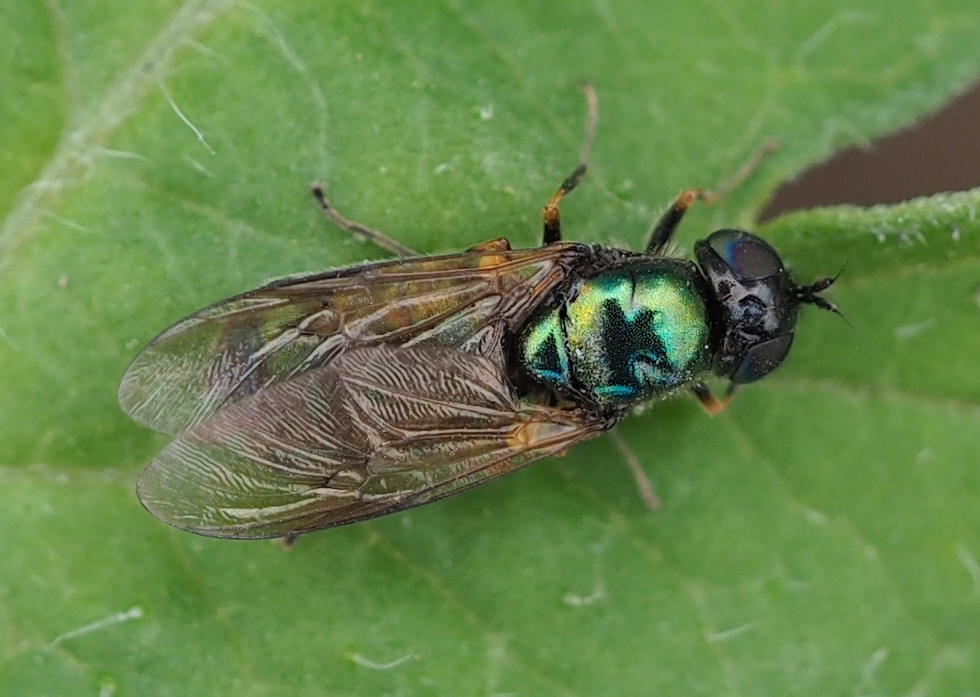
(244,344)
(378,430)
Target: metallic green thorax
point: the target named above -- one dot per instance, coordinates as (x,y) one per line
(625,335)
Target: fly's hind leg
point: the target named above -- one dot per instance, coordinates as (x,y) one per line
(552,216)
(362,231)
(664,230)
(499,244)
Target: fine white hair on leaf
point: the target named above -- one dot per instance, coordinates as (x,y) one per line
(183,117)
(970,564)
(133,613)
(362,660)
(726,634)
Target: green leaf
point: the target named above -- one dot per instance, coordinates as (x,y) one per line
(821,537)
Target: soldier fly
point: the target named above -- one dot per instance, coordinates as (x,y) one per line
(331,398)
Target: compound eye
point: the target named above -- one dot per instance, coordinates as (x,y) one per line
(761,359)
(749,257)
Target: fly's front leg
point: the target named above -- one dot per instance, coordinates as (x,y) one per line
(709,402)
(664,230)
(552,216)
(363,231)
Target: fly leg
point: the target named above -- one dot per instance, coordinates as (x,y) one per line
(708,401)
(362,231)
(552,216)
(647,493)
(664,230)
(667,225)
